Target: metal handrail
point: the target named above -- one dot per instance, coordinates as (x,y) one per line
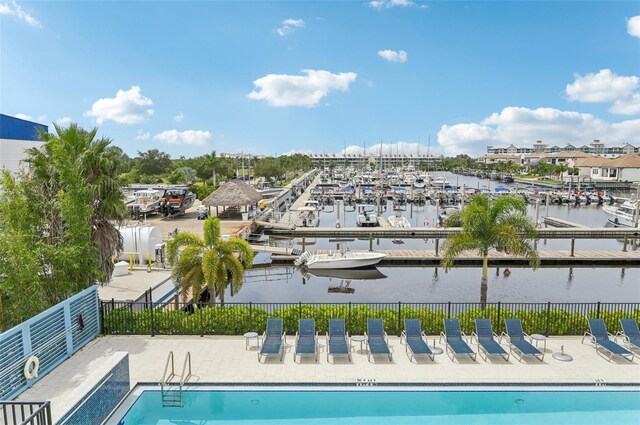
(165,379)
(183,378)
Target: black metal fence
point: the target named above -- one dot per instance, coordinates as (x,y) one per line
(25,413)
(131,318)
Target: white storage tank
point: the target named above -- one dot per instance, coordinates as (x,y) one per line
(141,241)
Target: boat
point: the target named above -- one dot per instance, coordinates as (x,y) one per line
(176,201)
(339,259)
(367,215)
(420,183)
(308,217)
(397,220)
(439,181)
(145,201)
(346,276)
(623,215)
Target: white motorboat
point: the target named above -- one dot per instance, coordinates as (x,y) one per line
(308,217)
(367,215)
(339,259)
(397,220)
(623,215)
(439,181)
(145,201)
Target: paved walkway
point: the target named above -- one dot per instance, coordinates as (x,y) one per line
(222,359)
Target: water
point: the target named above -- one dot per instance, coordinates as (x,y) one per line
(389,407)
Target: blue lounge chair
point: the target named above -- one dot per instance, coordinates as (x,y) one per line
(630,333)
(338,340)
(413,336)
(306,339)
(453,336)
(273,340)
(599,336)
(484,336)
(518,342)
(377,339)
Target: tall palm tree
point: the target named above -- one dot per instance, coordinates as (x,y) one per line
(95,166)
(208,262)
(502,225)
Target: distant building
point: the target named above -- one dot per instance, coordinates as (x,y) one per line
(388,160)
(623,168)
(594,148)
(16,136)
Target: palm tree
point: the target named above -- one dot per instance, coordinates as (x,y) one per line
(502,225)
(208,262)
(95,165)
(561,169)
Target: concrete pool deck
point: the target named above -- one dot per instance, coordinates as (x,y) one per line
(224,359)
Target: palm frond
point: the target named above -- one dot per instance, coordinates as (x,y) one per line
(210,267)
(212,231)
(242,247)
(181,240)
(455,245)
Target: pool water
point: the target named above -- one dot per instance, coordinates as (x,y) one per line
(302,406)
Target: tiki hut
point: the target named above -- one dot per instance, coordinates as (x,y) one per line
(232,195)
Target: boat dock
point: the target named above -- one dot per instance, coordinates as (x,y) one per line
(548,258)
(558,222)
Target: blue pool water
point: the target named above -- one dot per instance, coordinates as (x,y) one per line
(314,407)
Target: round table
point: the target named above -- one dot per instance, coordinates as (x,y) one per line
(248,336)
(539,337)
(360,339)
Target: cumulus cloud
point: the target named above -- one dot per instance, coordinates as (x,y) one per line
(63,121)
(188,137)
(142,135)
(386,4)
(179,117)
(289,26)
(128,107)
(629,105)
(12,8)
(633,26)
(300,90)
(399,56)
(605,86)
(24,117)
(523,126)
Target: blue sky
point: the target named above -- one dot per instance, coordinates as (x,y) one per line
(275,76)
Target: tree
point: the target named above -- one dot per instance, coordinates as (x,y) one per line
(154,162)
(561,169)
(208,262)
(502,225)
(77,175)
(268,168)
(183,175)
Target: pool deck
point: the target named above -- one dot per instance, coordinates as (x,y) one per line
(224,360)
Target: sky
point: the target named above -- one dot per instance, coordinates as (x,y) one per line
(273,77)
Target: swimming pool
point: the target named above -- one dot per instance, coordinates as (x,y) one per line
(403,405)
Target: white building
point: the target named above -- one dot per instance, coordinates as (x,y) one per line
(623,168)
(16,136)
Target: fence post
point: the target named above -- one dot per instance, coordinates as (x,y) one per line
(399,318)
(546,333)
(449,310)
(101,312)
(250,316)
(598,310)
(498,320)
(299,310)
(201,326)
(151,308)
(349,327)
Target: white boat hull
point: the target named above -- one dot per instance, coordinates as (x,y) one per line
(351,261)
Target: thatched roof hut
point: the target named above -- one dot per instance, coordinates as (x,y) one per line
(234,193)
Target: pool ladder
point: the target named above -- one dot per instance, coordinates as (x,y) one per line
(172,397)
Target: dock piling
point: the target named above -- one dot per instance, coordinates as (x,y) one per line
(573,248)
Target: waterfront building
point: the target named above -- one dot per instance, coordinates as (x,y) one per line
(16,136)
(594,148)
(372,160)
(623,168)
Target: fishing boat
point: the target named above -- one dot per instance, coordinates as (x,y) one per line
(623,215)
(339,259)
(397,220)
(145,201)
(367,215)
(308,216)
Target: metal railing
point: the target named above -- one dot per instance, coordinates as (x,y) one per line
(25,413)
(126,318)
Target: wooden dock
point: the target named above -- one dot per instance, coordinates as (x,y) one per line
(548,258)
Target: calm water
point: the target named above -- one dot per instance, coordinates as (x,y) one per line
(389,407)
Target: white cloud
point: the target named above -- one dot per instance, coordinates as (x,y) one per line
(399,56)
(300,90)
(128,107)
(42,118)
(13,9)
(605,86)
(289,26)
(188,137)
(24,117)
(386,4)
(143,135)
(633,26)
(629,105)
(179,117)
(63,121)
(523,126)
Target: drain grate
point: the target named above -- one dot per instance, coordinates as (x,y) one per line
(366,382)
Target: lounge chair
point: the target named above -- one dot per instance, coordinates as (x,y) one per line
(413,336)
(599,336)
(518,342)
(453,336)
(484,336)
(630,333)
(306,339)
(273,340)
(377,339)
(338,340)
